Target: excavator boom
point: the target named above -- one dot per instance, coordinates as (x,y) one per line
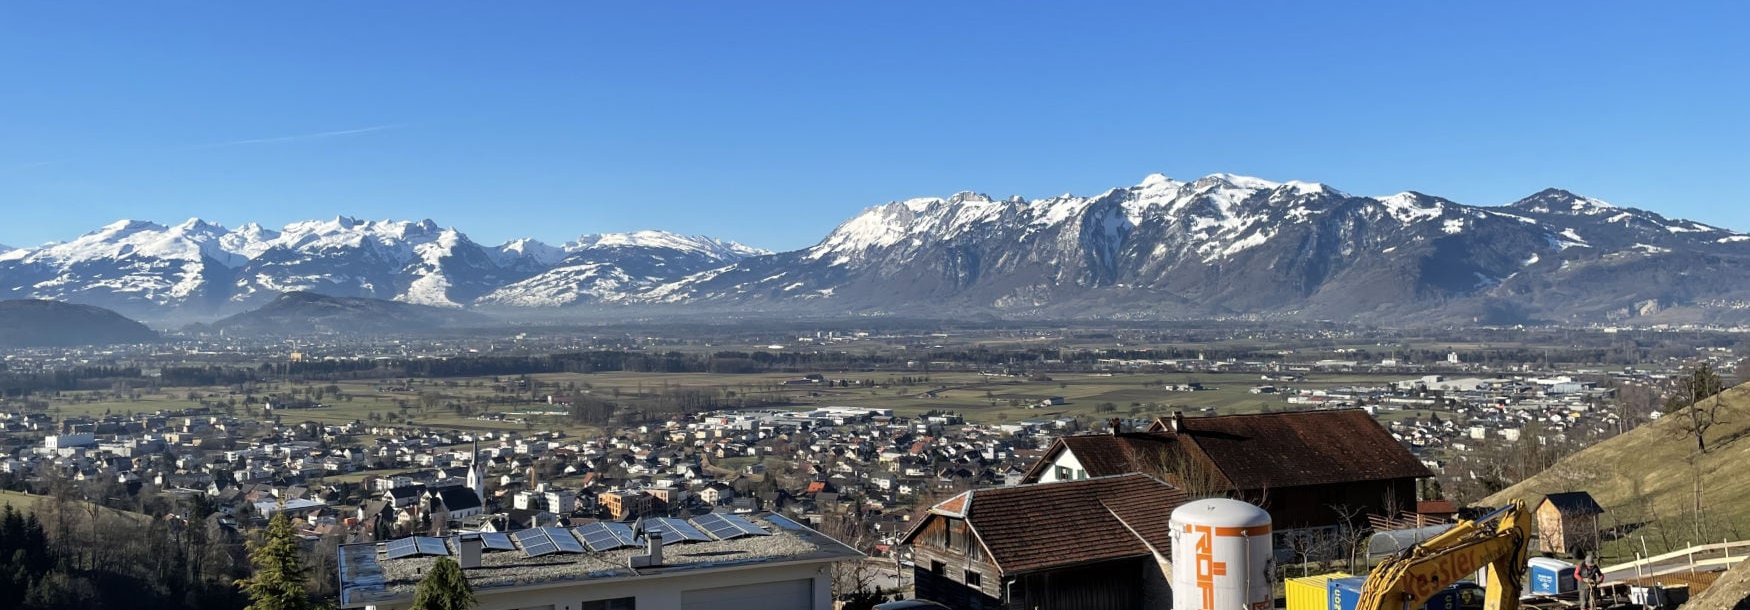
(1499,541)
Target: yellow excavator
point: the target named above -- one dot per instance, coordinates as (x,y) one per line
(1500,540)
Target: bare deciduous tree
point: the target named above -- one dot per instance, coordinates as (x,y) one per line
(1695,398)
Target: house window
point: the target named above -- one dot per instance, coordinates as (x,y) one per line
(973,579)
(618,603)
(938,568)
(1081,474)
(1063,473)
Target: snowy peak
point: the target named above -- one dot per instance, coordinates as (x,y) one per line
(1411,206)
(663,240)
(1558,201)
(528,249)
(612,267)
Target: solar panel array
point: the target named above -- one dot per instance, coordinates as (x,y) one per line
(536,542)
(492,541)
(414,546)
(600,537)
(726,526)
(675,530)
(563,539)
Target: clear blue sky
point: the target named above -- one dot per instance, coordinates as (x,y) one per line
(770,123)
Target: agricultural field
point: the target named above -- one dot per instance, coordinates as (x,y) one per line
(506,403)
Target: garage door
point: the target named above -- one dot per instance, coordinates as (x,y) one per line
(786,595)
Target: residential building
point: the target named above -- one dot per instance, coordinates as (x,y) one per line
(1091,544)
(782,565)
(1309,469)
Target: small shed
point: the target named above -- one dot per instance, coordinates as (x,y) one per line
(1568,522)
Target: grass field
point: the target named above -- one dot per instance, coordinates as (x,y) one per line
(30,503)
(1646,479)
(980,398)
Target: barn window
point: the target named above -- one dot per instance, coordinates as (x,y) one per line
(973,579)
(938,568)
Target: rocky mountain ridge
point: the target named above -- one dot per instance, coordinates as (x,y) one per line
(1218,246)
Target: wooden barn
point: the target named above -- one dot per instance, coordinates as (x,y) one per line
(1091,544)
(1299,466)
(1568,523)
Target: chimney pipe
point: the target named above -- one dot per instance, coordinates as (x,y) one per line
(1178,420)
(652,556)
(1117,426)
(471,548)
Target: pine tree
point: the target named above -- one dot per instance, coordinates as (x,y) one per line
(278,581)
(443,588)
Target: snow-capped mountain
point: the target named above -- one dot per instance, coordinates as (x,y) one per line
(612,267)
(1227,245)
(1221,245)
(199,269)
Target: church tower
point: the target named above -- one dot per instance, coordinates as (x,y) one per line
(476,476)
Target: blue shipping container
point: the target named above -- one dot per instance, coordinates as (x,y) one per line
(1552,576)
(1344,593)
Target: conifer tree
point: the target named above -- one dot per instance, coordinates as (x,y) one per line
(443,588)
(278,581)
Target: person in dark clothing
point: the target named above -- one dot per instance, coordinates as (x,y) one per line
(1588,576)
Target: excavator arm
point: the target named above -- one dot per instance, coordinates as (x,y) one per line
(1499,540)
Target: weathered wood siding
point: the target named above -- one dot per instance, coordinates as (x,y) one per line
(1110,585)
(950,544)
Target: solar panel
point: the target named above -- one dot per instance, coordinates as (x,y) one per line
(601,537)
(401,548)
(563,539)
(491,541)
(726,526)
(497,541)
(675,530)
(414,546)
(430,546)
(535,543)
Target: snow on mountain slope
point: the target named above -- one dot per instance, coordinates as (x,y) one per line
(1219,245)
(528,251)
(1216,245)
(663,240)
(142,267)
(612,267)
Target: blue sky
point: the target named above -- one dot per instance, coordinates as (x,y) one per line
(770,123)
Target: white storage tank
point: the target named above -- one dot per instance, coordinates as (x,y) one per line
(1221,556)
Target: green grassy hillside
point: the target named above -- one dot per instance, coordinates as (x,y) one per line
(1647,478)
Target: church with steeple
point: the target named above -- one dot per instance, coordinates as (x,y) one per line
(476,474)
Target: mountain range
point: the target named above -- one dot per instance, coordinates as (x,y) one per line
(40,323)
(1218,246)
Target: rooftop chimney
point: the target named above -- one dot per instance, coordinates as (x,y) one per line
(1178,420)
(471,547)
(652,556)
(1117,426)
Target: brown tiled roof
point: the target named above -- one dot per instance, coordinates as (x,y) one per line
(954,505)
(1034,527)
(1104,455)
(1275,450)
